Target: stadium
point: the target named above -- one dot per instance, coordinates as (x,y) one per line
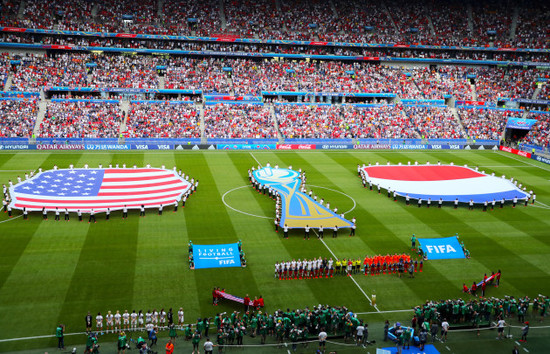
(374,176)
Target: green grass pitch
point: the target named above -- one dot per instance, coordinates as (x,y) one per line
(54,272)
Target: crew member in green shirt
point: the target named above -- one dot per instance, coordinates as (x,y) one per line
(59,334)
(122,343)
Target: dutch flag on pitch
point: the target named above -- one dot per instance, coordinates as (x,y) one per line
(442,181)
(99,189)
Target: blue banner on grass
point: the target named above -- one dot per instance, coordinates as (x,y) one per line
(441,248)
(216,256)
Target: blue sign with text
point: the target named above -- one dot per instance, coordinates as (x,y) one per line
(216,256)
(441,248)
(520,123)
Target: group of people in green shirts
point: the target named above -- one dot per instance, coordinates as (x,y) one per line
(476,310)
(297,326)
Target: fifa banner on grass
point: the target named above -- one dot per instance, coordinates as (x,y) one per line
(216,256)
(441,248)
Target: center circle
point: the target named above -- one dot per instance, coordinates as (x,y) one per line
(267,217)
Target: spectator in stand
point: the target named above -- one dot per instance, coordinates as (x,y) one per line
(168,119)
(382,122)
(540,132)
(481,123)
(17,117)
(81,119)
(239,121)
(434,122)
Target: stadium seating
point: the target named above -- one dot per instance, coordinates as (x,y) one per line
(427,92)
(17,117)
(166,119)
(81,119)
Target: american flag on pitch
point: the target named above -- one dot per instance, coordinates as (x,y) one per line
(99,189)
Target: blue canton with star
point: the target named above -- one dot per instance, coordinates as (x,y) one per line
(64,183)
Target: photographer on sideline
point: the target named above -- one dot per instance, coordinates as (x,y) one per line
(91,344)
(122,342)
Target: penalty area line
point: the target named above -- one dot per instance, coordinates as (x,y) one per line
(525,162)
(254,157)
(350,276)
(3,221)
(39,337)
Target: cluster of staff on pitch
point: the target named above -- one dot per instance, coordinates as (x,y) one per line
(194,184)
(429,202)
(327,267)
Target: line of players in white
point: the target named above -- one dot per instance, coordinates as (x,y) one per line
(307,268)
(136,321)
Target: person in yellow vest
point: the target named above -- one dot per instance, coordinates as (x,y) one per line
(338,266)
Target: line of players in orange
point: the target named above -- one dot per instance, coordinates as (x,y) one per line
(390,264)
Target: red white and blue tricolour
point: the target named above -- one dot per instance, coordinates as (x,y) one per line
(99,189)
(442,181)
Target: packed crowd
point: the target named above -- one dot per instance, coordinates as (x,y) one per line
(495,83)
(193,74)
(532,27)
(538,135)
(242,121)
(17,118)
(245,76)
(379,122)
(482,123)
(124,72)
(317,122)
(81,119)
(434,122)
(167,119)
(288,48)
(439,83)
(351,21)
(36,72)
(176,15)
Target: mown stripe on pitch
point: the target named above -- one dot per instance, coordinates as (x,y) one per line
(18,235)
(23,161)
(5,158)
(390,218)
(207,222)
(365,242)
(270,247)
(39,281)
(517,219)
(486,249)
(103,278)
(162,278)
(298,293)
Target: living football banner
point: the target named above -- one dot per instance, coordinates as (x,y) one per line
(441,248)
(216,256)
